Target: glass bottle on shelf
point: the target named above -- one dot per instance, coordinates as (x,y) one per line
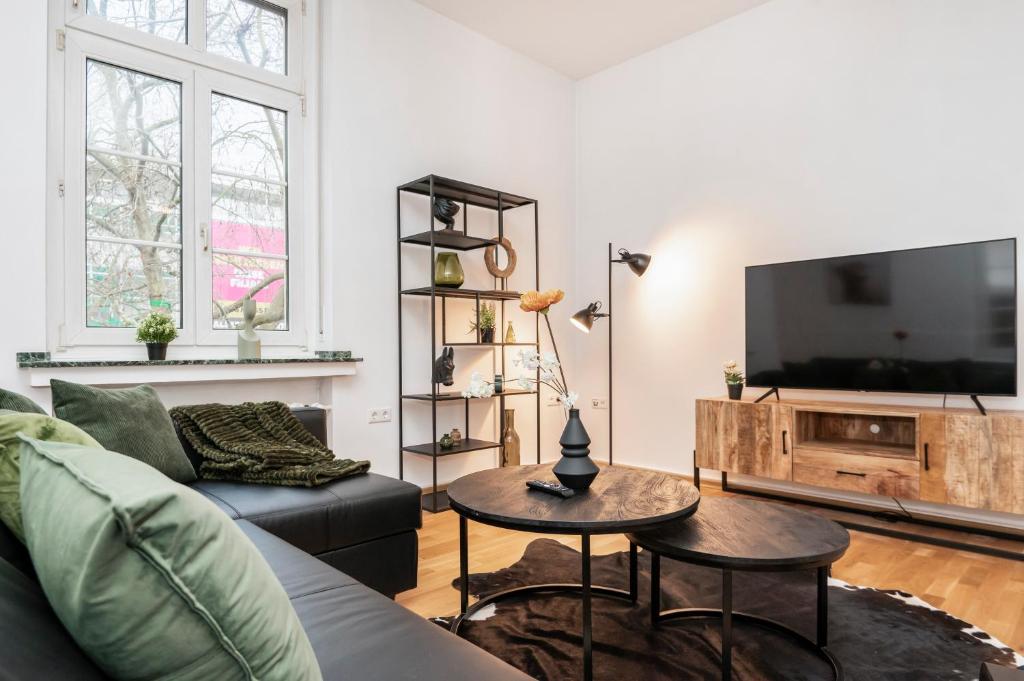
(510,440)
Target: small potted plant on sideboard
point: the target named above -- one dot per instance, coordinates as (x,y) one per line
(156,331)
(733,379)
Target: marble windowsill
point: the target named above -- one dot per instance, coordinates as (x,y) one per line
(42,368)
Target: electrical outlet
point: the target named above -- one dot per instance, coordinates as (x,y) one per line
(380,415)
(599,403)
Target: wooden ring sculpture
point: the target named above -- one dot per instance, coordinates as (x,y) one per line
(492,264)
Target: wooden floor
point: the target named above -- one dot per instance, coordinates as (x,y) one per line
(983,590)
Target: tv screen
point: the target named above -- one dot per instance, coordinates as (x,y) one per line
(924,320)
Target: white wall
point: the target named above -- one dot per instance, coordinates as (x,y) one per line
(800,129)
(406,93)
(409,93)
(23,47)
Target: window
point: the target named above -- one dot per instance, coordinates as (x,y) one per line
(164,18)
(182,162)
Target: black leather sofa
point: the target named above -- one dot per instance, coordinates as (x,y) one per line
(365,525)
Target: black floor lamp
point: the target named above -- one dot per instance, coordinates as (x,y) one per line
(584,319)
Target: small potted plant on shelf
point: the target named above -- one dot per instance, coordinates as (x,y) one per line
(575,469)
(485,323)
(156,331)
(733,379)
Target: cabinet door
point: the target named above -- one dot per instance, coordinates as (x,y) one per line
(933,457)
(743,437)
(754,440)
(709,434)
(978,464)
(782,443)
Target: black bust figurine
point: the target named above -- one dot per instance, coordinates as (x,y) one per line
(445,211)
(444,367)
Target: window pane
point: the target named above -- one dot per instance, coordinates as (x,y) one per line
(250,212)
(133,196)
(249,216)
(251,31)
(163,18)
(132,112)
(235,276)
(248,139)
(131,199)
(125,282)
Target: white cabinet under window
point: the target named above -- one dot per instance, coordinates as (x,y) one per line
(182,134)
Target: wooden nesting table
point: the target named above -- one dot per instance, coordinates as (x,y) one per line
(746,535)
(619,500)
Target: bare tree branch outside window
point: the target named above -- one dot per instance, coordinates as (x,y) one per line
(134,174)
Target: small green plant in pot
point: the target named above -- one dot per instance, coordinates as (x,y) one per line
(156,331)
(733,379)
(485,323)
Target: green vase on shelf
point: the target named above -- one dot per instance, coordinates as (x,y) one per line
(448,271)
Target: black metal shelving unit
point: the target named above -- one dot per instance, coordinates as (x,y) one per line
(433,187)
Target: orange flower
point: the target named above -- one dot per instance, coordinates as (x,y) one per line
(535,301)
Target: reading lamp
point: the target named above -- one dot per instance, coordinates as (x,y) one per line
(585,318)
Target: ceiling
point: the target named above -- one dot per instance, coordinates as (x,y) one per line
(581,37)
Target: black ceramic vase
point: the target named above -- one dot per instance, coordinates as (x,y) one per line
(735,390)
(576,470)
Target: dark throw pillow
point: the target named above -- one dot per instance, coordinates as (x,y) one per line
(130,421)
(14,402)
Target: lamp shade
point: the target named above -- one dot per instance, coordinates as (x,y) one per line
(584,319)
(638,262)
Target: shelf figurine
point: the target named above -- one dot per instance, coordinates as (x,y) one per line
(249,344)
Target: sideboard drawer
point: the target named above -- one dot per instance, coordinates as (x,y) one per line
(857,472)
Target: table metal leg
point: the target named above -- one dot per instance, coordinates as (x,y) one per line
(655,587)
(633,588)
(726,625)
(463,566)
(588,662)
(823,606)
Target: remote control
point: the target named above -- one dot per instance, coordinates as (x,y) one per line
(550,488)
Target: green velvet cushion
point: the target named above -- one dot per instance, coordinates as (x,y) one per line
(41,427)
(14,402)
(130,421)
(149,577)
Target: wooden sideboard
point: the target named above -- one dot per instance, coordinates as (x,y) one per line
(946,456)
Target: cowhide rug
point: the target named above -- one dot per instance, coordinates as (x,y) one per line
(877,635)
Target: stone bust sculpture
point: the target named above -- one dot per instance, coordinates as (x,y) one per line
(249,346)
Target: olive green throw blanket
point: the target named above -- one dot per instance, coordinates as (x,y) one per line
(259,442)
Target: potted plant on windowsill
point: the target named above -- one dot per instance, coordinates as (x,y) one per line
(733,379)
(156,331)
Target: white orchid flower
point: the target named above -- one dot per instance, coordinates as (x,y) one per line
(524,383)
(549,360)
(478,387)
(569,399)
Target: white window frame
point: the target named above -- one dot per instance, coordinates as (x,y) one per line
(80,37)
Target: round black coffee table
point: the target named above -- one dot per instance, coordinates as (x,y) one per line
(619,500)
(743,534)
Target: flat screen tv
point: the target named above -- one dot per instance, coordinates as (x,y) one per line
(923,320)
